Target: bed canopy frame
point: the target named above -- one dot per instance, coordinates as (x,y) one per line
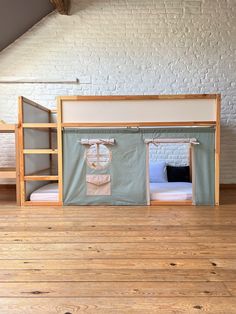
(38,124)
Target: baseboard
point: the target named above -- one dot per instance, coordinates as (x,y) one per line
(7,187)
(230,186)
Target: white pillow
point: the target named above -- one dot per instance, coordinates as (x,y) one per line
(157,172)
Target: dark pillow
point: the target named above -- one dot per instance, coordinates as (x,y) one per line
(178,174)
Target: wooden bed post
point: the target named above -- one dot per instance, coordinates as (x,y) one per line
(20,148)
(18,200)
(217,150)
(59,147)
(190,160)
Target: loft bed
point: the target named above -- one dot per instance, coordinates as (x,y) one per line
(86,124)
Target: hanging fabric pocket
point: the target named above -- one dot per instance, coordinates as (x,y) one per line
(98,184)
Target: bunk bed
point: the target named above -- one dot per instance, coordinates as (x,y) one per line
(83,124)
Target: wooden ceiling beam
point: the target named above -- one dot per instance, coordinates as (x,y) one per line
(62,6)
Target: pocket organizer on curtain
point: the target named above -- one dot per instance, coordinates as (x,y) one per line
(98,184)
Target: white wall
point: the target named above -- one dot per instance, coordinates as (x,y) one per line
(130,47)
(172,154)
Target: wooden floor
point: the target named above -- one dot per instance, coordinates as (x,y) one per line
(118,259)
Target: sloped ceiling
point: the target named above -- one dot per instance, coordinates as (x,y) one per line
(17,16)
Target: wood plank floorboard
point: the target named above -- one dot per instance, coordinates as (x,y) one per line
(111,275)
(100,260)
(131,305)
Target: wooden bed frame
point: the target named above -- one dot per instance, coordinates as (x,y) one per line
(41,175)
(63,122)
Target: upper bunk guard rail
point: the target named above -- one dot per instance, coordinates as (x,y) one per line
(152,110)
(138,97)
(34,104)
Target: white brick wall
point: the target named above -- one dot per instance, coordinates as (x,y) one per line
(130,47)
(172,154)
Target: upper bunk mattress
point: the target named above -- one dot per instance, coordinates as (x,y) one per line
(171,191)
(46,193)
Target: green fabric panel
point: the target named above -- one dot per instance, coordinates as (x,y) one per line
(204,158)
(127,167)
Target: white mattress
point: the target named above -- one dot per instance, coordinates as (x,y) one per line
(46,193)
(171,191)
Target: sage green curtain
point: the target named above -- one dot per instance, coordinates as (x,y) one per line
(127,167)
(204,155)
